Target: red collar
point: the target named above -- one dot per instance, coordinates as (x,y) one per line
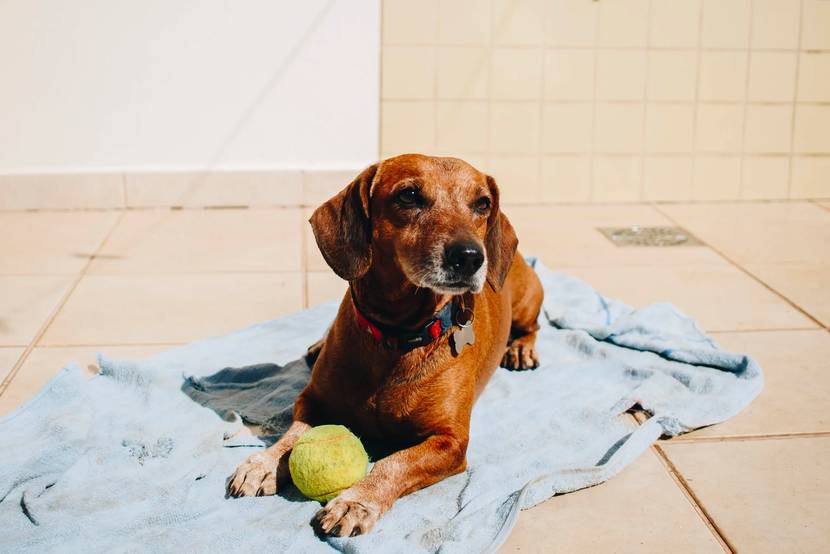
(405,339)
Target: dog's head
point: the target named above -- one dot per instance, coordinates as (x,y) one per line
(436,219)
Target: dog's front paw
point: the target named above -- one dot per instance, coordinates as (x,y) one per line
(256,476)
(520,355)
(347,516)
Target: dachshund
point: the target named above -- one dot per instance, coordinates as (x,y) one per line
(438,298)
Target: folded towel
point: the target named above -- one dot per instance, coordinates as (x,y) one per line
(136,458)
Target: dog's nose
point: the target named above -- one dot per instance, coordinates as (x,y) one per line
(464,257)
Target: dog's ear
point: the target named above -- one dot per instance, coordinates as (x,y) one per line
(501,241)
(342,228)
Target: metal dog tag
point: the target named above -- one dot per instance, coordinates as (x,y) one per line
(462,338)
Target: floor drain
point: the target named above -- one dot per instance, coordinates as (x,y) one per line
(636,235)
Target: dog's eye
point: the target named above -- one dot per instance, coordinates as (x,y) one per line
(409,198)
(482,204)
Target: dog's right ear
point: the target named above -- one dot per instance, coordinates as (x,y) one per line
(343,230)
(501,241)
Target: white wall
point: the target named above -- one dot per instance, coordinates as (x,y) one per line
(102,85)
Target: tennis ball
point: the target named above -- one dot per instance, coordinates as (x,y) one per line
(325,460)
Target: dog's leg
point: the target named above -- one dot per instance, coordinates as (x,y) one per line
(313,352)
(261,473)
(526,303)
(356,510)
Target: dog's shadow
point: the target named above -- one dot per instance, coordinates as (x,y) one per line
(262,395)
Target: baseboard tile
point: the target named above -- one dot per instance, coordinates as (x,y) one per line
(287,188)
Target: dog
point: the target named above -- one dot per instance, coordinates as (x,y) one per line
(438,298)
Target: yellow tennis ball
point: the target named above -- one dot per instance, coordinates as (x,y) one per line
(326,460)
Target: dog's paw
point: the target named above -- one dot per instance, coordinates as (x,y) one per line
(347,516)
(256,476)
(520,355)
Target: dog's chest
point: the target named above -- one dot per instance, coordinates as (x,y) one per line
(402,406)
(396,416)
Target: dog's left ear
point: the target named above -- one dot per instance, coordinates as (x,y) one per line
(501,241)
(343,230)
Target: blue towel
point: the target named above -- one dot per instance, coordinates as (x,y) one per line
(135,459)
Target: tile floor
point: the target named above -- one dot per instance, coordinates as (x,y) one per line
(135,282)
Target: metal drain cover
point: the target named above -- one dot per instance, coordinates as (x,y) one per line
(636,235)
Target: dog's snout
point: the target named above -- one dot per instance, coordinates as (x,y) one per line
(464,257)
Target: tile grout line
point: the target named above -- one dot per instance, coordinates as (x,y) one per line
(749,274)
(490,48)
(124,200)
(168,273)
(745,105)
(210,207)
(436,60)
(582,46)
(113,344)
(770,330)
(382,44)
(594,72)
(540,147)
(304,259)
(625,101)
(693,499)
(643,192)
(756,437)
(698,51)
(4,384)
(791,157)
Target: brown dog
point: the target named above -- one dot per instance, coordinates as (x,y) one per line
(419,239)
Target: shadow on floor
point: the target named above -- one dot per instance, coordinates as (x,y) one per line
(263,396)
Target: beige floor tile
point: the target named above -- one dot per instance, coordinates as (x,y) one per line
(26,301)
(324,286)
(8,357)
(51,242)
(319,186)
(184,241)
(776,232)
(640,510)
(568,236)
(764,495)
(719,298)
(148,309)
(45,362)
(825,205)
(806,285)
(796,384)
(314,259)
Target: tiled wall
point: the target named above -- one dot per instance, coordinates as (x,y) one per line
(615,100)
